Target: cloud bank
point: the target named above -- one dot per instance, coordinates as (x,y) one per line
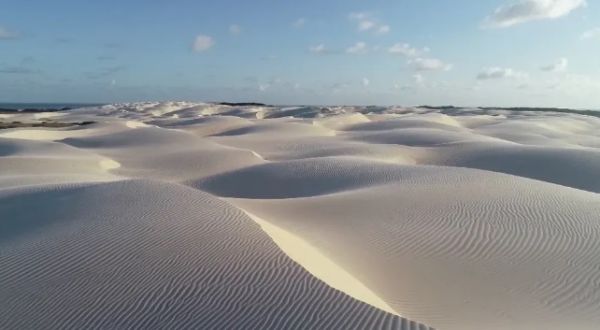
(406,50)
(299,23)
(560,66)
(500,73)
(430,64)
(358,48)
(529,10)
(318,49)
(366,22)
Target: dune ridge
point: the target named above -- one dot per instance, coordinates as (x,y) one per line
(319,265)
(200,215)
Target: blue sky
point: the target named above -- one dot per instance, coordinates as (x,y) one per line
(487,52)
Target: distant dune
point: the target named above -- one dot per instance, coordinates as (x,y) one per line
(183,215)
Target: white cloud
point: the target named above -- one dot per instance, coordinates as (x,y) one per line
(559,66)
(299,23)
(7,34)
(500,73)
(366,82)
(406,50)
(203,43)
(430,64)
(521,11)
(366,25)
(383,29)
(358,48)
(318,49)
(416,59)
(358,16)
(235,29)
(366,22)
(591,34)
(263,87)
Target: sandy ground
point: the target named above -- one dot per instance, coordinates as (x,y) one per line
(192,215)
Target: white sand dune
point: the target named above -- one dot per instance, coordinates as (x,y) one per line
(578,168)
(521,254)
(313,260)
(205,216)
(32,162)
(41,134)
(311,177)
(142,254)
(171,155)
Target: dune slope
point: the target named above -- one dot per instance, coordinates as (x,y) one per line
(144,254)
(442,247)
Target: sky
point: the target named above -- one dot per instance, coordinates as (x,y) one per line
(358,52)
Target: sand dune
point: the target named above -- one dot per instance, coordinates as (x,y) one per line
(521,254)
(153,255)
(310,177)
(26,162)
(577,168)
(171,155)
(198,215)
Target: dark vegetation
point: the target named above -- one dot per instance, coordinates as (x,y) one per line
(455,110)
(247,104)
(47,124)
(33,110)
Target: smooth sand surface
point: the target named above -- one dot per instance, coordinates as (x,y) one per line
(197,215)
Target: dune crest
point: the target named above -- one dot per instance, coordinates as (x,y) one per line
(320,266)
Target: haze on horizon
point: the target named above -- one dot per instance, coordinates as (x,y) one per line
(489,52)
